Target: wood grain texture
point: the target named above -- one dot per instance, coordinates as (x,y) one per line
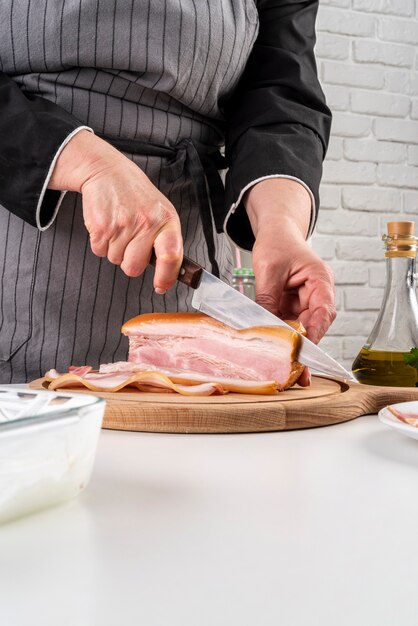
(325,402)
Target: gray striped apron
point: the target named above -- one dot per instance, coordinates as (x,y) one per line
(148,76)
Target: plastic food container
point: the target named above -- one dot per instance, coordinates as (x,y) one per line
(48,444)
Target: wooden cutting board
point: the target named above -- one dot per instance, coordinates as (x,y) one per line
(324,402)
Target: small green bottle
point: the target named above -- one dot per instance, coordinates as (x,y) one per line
(243,280)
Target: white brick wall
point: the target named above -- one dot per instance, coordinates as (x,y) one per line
(368,64)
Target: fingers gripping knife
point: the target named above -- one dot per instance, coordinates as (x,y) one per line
(221,301)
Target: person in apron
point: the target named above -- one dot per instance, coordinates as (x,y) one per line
(113,117)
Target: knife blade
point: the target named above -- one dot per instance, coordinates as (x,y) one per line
(221,301)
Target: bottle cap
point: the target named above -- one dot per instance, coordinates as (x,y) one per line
(405,229)
(400,239)
(243,271)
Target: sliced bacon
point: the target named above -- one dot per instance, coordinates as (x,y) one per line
(257,387)
(80,370)
(407,418)
(143,381)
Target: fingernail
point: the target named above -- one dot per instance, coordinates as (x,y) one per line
(160,292)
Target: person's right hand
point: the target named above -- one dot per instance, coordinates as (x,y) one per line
(124,213)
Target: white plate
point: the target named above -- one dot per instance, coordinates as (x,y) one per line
(390,420)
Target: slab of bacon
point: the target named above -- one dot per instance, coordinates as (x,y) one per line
(407,418)
(193,354)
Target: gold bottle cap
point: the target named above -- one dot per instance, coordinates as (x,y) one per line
(400,240)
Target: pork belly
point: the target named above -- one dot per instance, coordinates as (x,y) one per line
(178,343)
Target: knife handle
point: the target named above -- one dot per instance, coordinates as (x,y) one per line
(190,271)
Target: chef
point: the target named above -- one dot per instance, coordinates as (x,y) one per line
(113,116)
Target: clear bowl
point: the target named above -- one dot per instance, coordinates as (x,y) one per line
(48,444)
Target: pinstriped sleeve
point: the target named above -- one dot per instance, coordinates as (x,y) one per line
(277,120)
(33,131)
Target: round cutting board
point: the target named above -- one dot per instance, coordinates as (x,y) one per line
(325,402)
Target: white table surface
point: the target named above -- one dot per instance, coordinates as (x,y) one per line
(303,528)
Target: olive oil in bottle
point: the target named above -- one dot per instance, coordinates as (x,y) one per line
(378,367)
(388,358)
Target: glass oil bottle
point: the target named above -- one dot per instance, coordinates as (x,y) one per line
(388,356)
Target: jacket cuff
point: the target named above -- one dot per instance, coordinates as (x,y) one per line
(295,153)
(50,199)
(238,206)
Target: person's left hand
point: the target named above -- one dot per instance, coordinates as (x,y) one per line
(292,281)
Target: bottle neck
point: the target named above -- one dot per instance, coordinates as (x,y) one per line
(400,273)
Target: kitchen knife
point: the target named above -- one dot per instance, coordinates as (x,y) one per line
(221,301)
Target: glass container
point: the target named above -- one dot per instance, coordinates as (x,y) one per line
(390,354)
(243,280)
(48,443)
